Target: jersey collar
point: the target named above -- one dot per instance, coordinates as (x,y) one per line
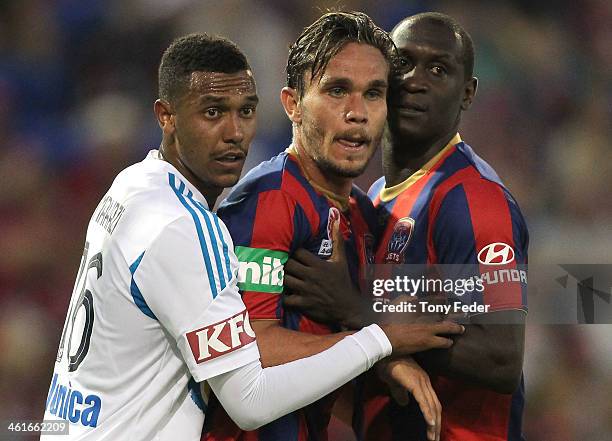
(157,156)
(389,193)
(339,201)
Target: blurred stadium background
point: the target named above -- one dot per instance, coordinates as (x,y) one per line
(77,86)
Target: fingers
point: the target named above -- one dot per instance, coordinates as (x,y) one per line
(295,269)
(436,407)
(296,301)
(438,342)
(337,243)
(408,376)
(447,327)
(428,408)
(305,257)
(294,284)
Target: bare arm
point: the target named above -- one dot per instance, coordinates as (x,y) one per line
(488,354)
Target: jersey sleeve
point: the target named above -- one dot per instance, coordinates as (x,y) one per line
(264,227)
(186,280)
(477,228)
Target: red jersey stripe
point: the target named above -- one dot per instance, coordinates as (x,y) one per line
(404,205)
(436,202)
(292,186)
(492,222)
(273,232)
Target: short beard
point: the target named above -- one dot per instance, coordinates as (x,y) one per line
(312,137)
(331,168)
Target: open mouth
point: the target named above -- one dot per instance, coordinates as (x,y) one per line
(231,157)
(352,142)
(411,108)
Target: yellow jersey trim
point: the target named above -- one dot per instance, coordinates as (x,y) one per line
(389,193)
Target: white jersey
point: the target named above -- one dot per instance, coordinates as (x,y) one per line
(155,310)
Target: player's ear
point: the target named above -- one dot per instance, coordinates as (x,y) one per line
(291,103)
(469,91)
(164,115)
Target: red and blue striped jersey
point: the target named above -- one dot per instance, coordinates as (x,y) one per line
(273,211)
(456,210)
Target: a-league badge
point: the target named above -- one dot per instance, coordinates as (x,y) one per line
(402,232)
(326,247)
(326,244)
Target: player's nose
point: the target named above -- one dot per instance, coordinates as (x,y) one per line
(414,80)
(233,132)
(356,110)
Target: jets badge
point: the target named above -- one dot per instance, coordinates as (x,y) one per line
(402,232)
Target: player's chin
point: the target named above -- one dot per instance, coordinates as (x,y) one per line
(226,180)
(407,126)
(351,168)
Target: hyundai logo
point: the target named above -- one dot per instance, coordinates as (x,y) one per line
(497,253)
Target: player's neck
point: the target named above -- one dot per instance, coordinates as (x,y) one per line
(402,157)
(335,188)
(210,193)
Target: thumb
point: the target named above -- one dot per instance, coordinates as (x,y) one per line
(337,243)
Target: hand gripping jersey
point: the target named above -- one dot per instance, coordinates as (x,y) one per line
(455,210)
(272,212)
(155,309)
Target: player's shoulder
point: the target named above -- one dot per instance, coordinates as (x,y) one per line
(267,175)
(280,175)
(153,195)
(376,188)
(473,173)
(475,187)
(476,167)
(152,186)
(362,199)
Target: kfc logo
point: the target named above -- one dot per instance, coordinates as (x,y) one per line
(497,253)
(221,338)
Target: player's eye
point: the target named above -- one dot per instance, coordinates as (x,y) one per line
(403,63)
(438,70)
(337,92)
(247,112)
(374,94)
(212,113)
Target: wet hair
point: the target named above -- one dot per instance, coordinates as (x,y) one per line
(324,38)
(467,45)
(193,53)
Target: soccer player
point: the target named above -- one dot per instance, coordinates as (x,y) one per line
(440,203)
(155,308)
(337,79)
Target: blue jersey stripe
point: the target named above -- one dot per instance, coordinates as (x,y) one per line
(196,394)
(228,268)
(135,291)
(178,191)
(213,240)
(226,259)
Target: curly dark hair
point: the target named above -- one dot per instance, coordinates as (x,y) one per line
(192,53)
(323,39)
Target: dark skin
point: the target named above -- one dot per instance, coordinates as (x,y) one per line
(208,128)
(428,92)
